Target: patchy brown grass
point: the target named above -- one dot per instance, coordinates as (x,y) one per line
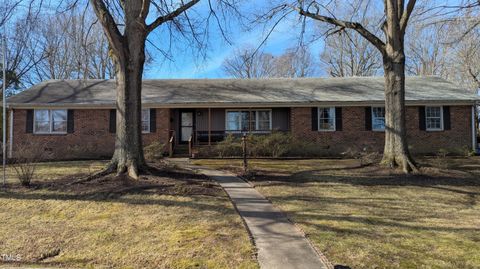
(372,217)
(167,219)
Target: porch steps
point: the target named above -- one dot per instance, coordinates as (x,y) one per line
(181,151)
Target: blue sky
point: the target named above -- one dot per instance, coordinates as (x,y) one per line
(187,65)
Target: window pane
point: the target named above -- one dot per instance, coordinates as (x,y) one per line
(59,115)
(433,118)
(59,126)
(42,126)
(42,115)
(59,118)
(233,120)
(326,118)
(378,118)
(263,125)
(263,115)
(146,114)
(245,116)
(145,126)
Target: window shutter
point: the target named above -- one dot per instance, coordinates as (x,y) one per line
(368,118)
(421,118)
(338,118)
(113,121)
(446,118)
(153,120)
(314,119)
(29,127)
(70,121)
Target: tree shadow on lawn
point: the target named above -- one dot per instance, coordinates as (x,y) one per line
(111,188)
(373,176)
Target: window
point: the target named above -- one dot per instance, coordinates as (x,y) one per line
(145,120)
(50,121)
(378,118)
(326,119)
(434,118)
(244,120)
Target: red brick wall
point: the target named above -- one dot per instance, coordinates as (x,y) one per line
(354,136)
(91,137)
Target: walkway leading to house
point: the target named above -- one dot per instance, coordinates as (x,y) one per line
(279,243)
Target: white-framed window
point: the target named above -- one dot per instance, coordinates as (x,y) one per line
(326,118)
(378,118)
(145,120)
(248,120)
(50,121)
(434,118)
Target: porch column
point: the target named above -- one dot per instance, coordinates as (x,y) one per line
(209,126)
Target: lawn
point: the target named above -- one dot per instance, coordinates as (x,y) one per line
(168,219)
(371,217)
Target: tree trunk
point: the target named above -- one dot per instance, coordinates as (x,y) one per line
(128,155)
(396,152)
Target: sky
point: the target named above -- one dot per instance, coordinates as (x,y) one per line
(188,65)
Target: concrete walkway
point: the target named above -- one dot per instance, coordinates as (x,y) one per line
(279,243)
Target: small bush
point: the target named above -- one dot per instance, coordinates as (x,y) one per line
(229,147)
(25,162)
(276,144)
(154,151)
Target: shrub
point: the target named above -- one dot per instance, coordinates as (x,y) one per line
(154,151)
(25,161)
(229,147)
(276,144)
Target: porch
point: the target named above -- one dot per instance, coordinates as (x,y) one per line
(207,126)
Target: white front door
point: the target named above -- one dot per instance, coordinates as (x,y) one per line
(186,126)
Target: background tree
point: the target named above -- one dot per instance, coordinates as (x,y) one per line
(348,54)
(251,63)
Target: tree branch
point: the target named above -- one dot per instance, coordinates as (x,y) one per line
(377,42)
(114,36)
(406,15)
(170,16)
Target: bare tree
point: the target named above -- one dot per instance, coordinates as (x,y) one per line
(295,63)
(74,47)
(22,53)
(397,14)
(348,54)
(250,63)
(428,54)
(126,28)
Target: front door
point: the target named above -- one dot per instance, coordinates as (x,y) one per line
(186,125)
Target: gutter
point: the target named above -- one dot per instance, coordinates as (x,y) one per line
(240,104)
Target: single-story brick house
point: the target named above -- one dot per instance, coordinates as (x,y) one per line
(76,118)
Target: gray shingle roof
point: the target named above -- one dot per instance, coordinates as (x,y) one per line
(229,92)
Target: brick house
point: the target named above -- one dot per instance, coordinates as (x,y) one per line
(77,118)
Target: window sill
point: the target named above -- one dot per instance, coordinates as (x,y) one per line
(326,131)
(378,131)
(434,130)
(50,134)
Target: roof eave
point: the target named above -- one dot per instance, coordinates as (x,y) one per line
(237,104)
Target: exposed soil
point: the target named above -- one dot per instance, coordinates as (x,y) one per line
(159,179)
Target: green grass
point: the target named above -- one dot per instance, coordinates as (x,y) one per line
(157,222)
(370,217)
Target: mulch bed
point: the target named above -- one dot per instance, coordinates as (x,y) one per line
(160,179)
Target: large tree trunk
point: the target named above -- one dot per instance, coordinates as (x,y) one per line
(128,155)
(396,152)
